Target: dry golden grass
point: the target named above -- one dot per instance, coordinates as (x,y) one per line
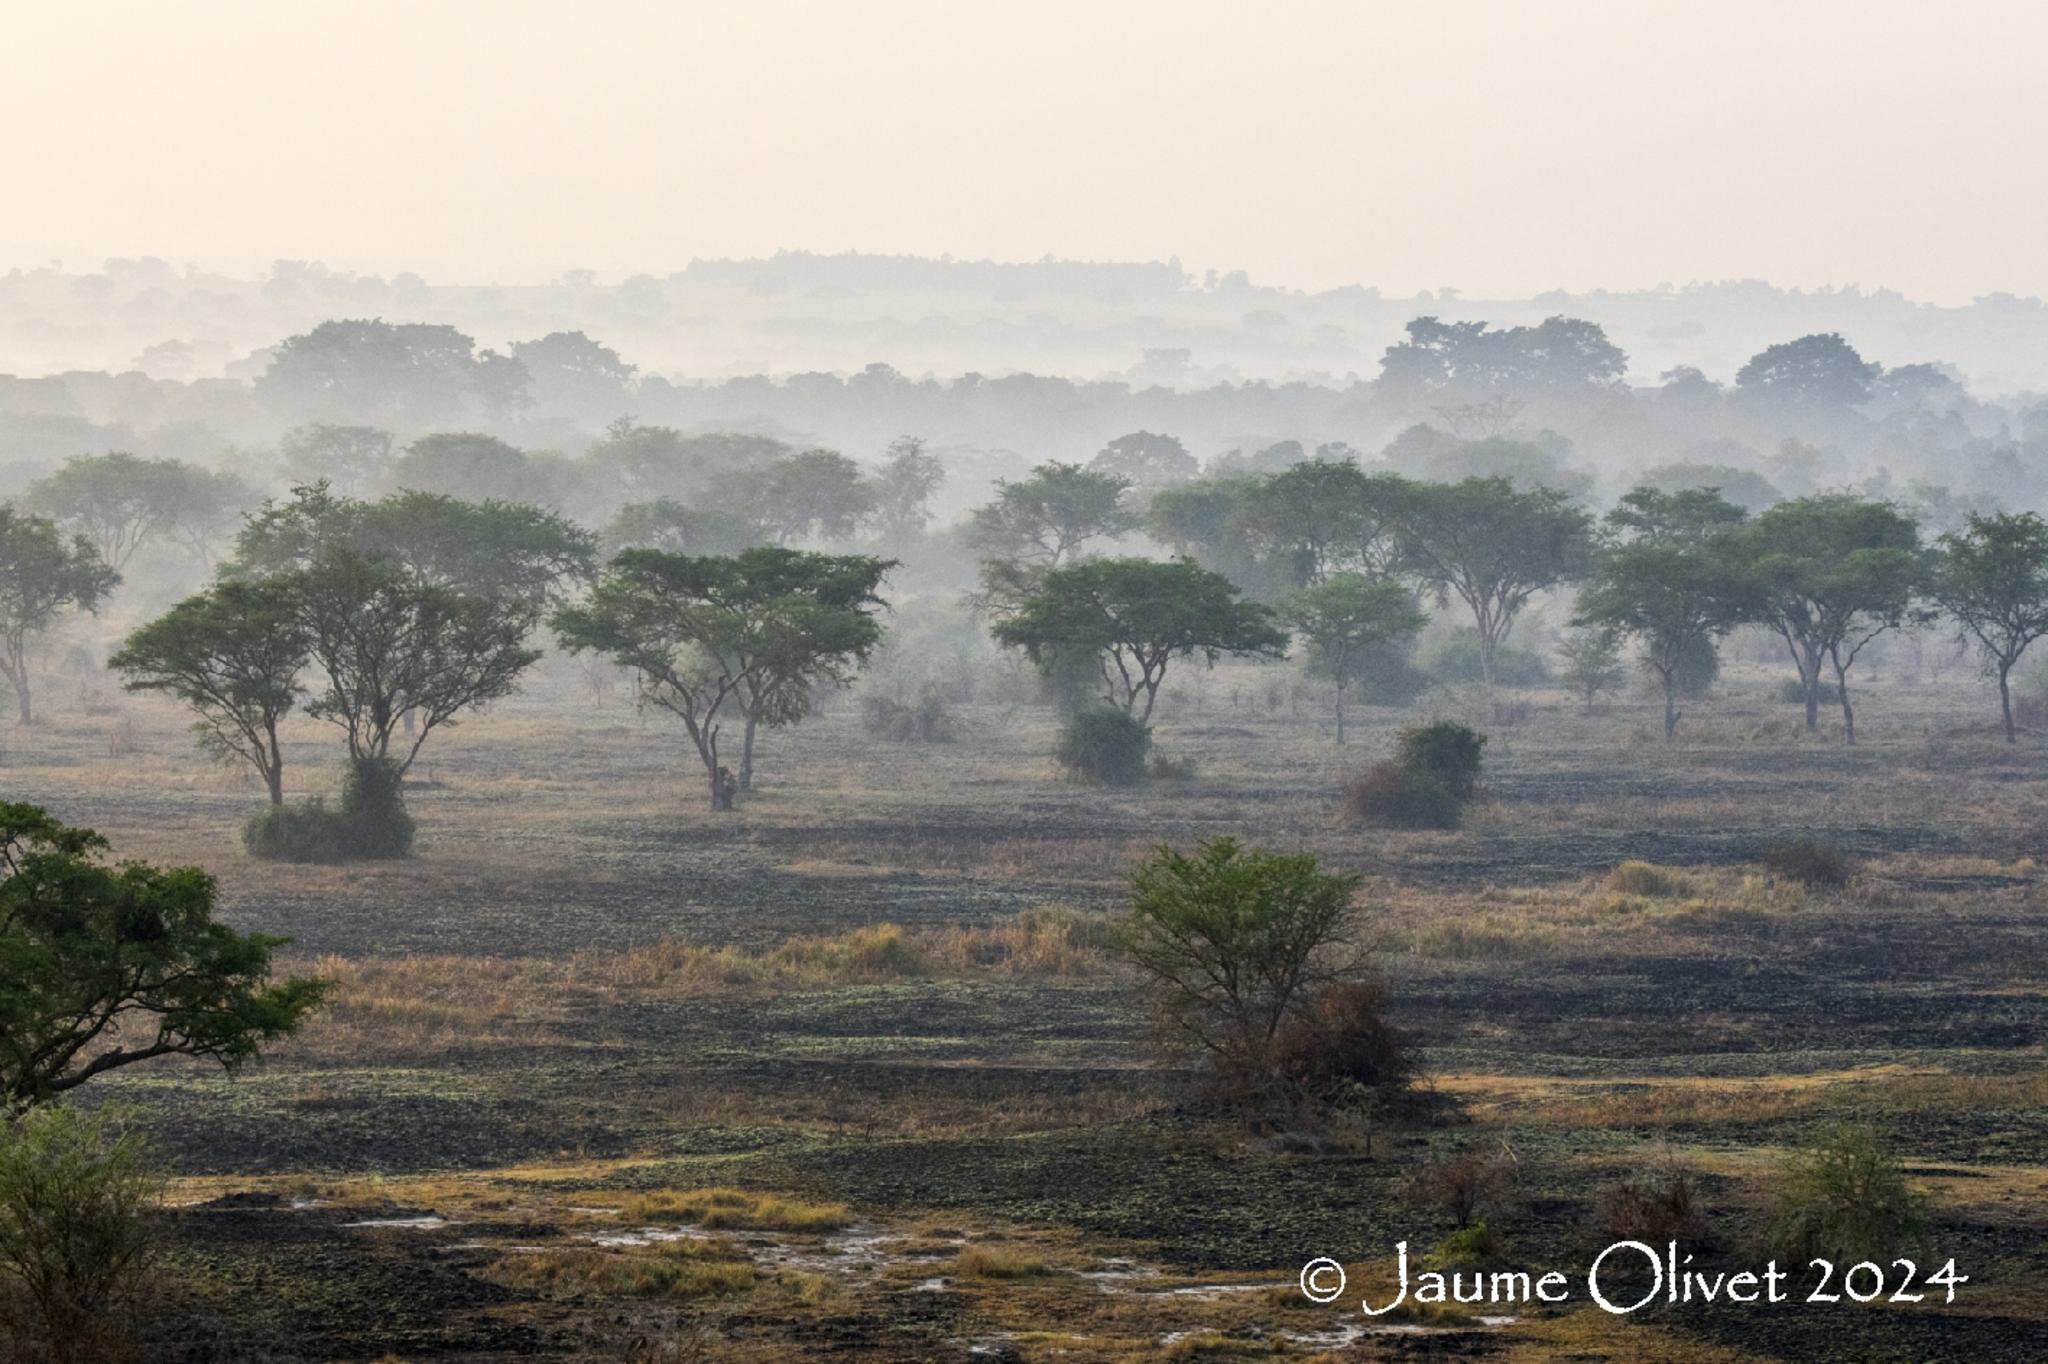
(733,1209)
(669,1269)
(983,1261)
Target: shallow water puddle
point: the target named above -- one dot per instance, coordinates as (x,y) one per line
(426,1223)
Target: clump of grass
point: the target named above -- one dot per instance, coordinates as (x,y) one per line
(734,1209)
(984,1261)
(1216,1345)
(1811,861)
(873,952)
(1637,877)
(1472,1247)
(672,1269)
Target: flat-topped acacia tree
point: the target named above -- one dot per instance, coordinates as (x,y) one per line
(1134,617)
(748,634)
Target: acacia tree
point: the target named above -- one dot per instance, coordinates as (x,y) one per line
(703,632)
(1043,521)
(395,650)
(1829,574)
(819,628)
(809,495)
(40,577)
(1326,516)
(1134,617)
(1671,580)
(901,490)
(1992,576)
(1344,618)
(102,967)
(233,653)
(1493,548)
(121,503)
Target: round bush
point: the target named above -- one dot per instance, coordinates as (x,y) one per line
(1445,751)
(1394,796)
(1105,745)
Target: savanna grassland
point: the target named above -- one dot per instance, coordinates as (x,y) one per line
(851,1073)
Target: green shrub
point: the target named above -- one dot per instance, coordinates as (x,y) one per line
(373,799)
(928,720)
(1106,746)
(370,823)
(1396,797)
(1457,660)
(1386,675)
(1446,751)
(1808,860)
(1473,1247)
(1845,1197)
(77,1194)
(1699,667)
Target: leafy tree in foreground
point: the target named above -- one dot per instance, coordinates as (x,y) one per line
(1993,577)
(705,632)
(233,654)
(1135,616)
(102,967)
(40,576)
(1344,618)
(1231,946)
(1493,548)
(1829,574)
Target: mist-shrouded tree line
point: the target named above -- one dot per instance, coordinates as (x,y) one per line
(388,585)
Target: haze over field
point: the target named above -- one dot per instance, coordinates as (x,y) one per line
(913,681)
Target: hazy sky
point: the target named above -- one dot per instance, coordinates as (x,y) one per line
(1497,148)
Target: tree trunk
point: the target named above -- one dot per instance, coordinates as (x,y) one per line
(1848,711)
(1340,712)
(274,779)
(2005,701)
(1810,680)
(747,757)
(21,696)
(1670,702)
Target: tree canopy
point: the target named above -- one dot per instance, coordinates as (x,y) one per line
(1992,576)
(1135,616)
(743,631)
(41,576)
(105,966)
(232,653)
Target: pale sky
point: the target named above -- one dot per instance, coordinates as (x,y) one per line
(1498,148)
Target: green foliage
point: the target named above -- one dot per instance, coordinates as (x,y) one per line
(104,966)
(1105,745)
(1473,1247)
(120,503)
(1698,667)
(1592,661)
(369,824)
(1845,1197)
(1458,659)
(1447,751)
(1493,547)
(1992,576)
(1344,618)
(78,1194)
(1231,945)
(1047,518)
(1809,860)
(233,654)
(41,575)
(1136,616)
(759,631)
